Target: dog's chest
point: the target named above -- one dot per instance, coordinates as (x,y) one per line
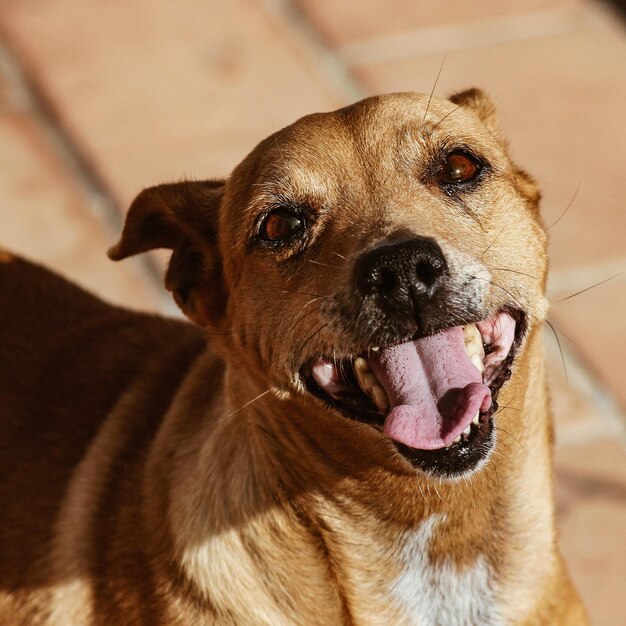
(425,594)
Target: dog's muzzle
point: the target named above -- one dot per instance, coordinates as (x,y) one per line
(431,384)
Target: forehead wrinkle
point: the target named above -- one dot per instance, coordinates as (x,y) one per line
(305,186)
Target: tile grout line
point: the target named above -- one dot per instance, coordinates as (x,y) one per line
(30,98)
(564,282)
(585,381)
(454,37)
(306,36)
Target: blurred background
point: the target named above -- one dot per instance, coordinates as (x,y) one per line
(100,99)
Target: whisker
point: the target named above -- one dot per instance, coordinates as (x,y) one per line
(246,404)
(502,443)
(567,208)
(491,282)
(304,316)
(337,267)
(506,269)
(425,499)
(506,432)
(494,241)
(432,92)
(280,150)
(438,494)
(304,293)
(558,343)
(313,300)
(488,476)
(460,106)
(311,336)
(495,469)
(566,336)
(508,407)
(602,282)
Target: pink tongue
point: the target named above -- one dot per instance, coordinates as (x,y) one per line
(433,387)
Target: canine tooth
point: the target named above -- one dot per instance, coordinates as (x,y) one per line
(457,440)
(363,373)
(477,360)
(361,364)
(476,418)
(474,346)
(470,331)
(380,397)
(467,430)
(376,349)
(365,378)
(369,381)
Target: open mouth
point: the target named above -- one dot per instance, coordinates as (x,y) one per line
(435,396)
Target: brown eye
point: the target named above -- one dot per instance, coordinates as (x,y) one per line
(280,225)
(458,167)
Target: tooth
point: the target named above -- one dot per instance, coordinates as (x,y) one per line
(474,346)
(376,349)
(478,362)
(361,370)
(457,440)
(470,331)
(380,397)
(467,430)
(369,381)
(476,418)
(361,364)
(364,377)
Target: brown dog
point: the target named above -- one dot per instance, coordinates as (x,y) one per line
(368,281)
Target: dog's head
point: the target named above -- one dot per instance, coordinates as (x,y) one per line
(382,261)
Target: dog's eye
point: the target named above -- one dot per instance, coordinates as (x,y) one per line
(458,167)
(280,225)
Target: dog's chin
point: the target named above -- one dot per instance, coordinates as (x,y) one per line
(434,397)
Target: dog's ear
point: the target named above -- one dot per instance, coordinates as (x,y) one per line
(181,217)
(528,187)
(479,103)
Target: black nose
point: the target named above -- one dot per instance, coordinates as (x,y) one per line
(402,276)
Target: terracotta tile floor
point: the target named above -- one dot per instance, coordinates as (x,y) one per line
(100,99)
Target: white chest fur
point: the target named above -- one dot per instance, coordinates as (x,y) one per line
(442,595)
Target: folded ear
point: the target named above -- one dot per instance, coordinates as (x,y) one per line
(182,217)
(479,103)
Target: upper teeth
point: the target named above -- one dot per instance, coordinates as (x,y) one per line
(474,346)
(369,383)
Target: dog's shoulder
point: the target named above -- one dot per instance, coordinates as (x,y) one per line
(40,307)
(66,357)
(68,360)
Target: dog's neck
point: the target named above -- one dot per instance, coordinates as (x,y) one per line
(351,511)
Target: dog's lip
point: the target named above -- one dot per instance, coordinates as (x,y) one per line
(333,380)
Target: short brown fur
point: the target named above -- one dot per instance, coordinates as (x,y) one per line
(157,472)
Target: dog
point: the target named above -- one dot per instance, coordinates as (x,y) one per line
(356,429)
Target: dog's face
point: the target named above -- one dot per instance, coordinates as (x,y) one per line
(382,262)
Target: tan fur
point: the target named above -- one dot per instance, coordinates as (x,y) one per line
(6,257)
(156,473)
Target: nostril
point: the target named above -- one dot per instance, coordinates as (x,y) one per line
(427,273)
(387,280)
(380,279)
